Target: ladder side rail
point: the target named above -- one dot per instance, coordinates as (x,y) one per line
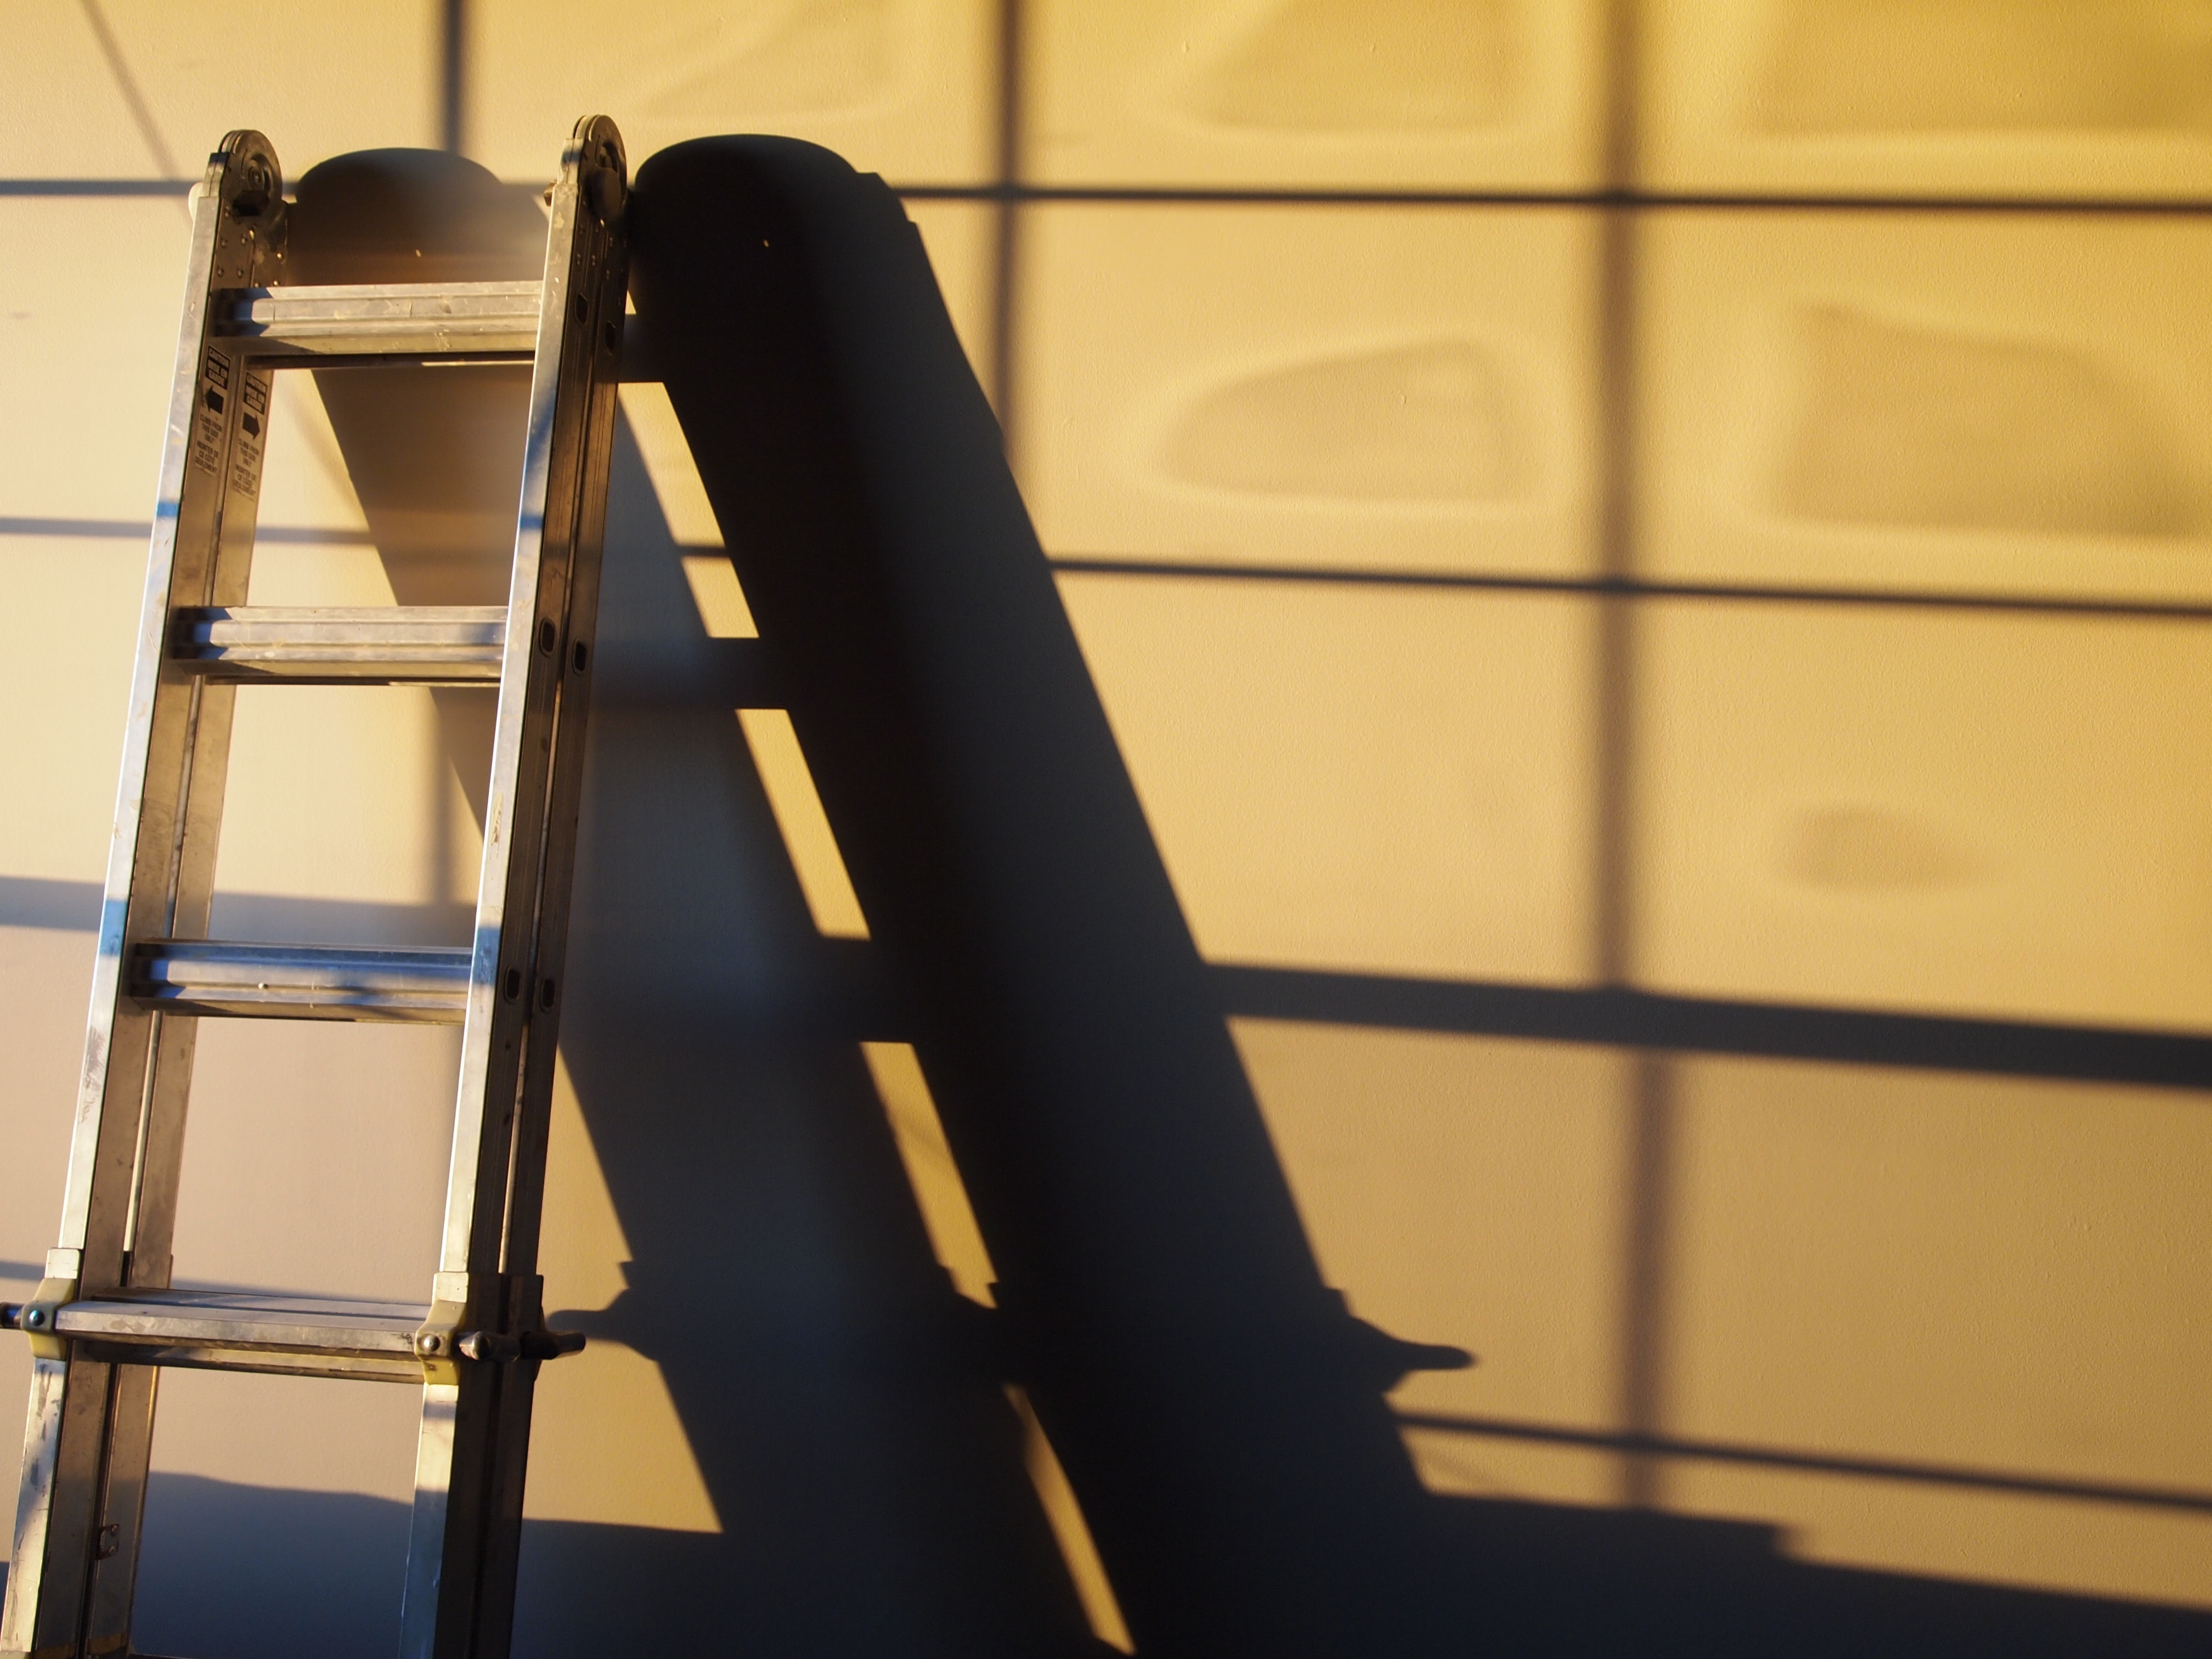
(160,864)
(501,984)
(457,1399)
(461,1414)
(150,1223)
(508,1453)
(524,1208)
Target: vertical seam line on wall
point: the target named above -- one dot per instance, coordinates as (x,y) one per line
(1645,1299)
(1616,343)
(452,75)
(1006,262)
(1644,1210)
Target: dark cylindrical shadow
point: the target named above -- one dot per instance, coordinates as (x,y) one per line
(1221,1415)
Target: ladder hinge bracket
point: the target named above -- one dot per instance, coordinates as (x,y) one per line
(493,1319)
(458,1302)
(39,1318)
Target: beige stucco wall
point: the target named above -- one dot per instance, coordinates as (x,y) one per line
(1953,811)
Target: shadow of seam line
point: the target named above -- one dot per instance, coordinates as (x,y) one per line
(1709,1451)
(1337,575)
(1292,196)
(1599,1017)
(1631,587)
(1624,1018)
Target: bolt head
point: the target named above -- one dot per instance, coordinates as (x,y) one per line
(35,1318)
(429,1344)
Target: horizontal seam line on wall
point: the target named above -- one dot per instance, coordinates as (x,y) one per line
(1597,1017)
(1634,588)
(1262,196)
(1593,586)
(1711,1451)
(1621,1017)
(1595,200)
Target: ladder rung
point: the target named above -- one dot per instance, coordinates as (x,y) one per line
(381,644)
(232,1330)
(422,985)
(405,319)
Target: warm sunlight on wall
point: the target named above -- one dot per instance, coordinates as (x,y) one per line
(606,1444)
(1559,497)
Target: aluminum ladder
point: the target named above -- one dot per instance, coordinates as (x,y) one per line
(104,1320)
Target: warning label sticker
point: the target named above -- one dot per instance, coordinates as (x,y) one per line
(253,430)
(208,424)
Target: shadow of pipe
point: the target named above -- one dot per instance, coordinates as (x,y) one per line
(1217,1410)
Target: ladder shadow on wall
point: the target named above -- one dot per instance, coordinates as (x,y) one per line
(1223,1418)
(864,1488)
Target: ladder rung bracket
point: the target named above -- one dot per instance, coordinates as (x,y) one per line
(419,985)
(231,1330)
(443,645)
(404,319)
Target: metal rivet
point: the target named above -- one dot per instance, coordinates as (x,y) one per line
(35,1318)
(430,1345)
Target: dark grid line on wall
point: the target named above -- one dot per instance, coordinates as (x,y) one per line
(1645,1252)
(2181,1499)
(2111,608)
(1006,191)
(1635,199)
(1019,193)
(1627,1017)
(453,76)
(1631,587)
(1655,1028)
